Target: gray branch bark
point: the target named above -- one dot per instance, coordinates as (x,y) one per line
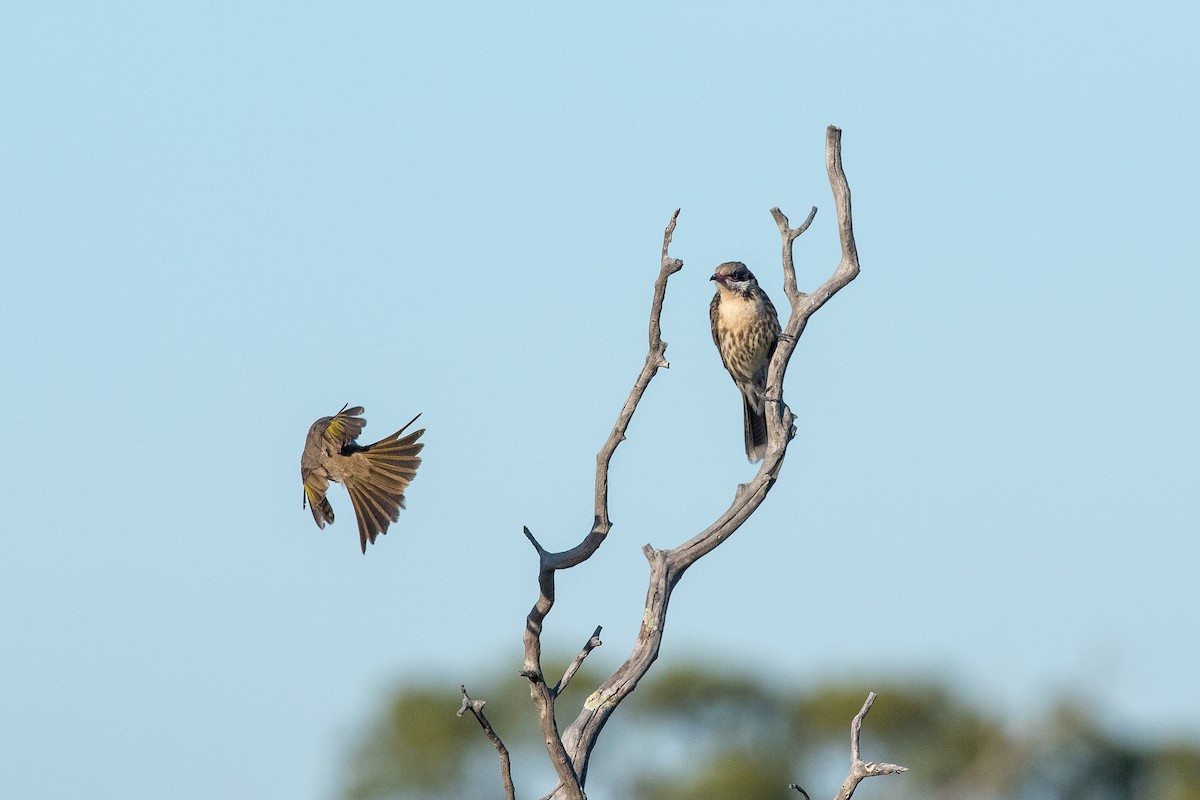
(860,769)
(566,765)
(476,709)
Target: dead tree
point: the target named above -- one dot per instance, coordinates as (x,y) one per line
(569,750)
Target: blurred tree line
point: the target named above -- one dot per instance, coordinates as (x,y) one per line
(702,733)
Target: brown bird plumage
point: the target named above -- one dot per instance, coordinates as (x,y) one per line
(745,329)
(375,475)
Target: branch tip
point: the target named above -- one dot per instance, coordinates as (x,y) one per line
(533,540)
(807,221)
(591,644)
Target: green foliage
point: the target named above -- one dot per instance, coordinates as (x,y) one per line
(698,733)
(416,747)
(1174,772)
(708,704)
(420,748)
(730,775)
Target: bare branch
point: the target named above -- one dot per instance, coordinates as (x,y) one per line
(591,645)
(858,768)
(476,708)
(541,551)
(654,361)
(848,268)
(571,780)
(790,235)
(780,428)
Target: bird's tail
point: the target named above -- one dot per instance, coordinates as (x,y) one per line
(378,495)
(755,418)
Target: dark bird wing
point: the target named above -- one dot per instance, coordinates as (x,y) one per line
(345,426)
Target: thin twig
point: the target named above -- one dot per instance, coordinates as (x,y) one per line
(790,235)
(476,708)
(591,645)
(654,361)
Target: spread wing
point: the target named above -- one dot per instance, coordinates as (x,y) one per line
(345,426)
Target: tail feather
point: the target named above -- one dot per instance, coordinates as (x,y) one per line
(374,508)
(392,447)
(394,463)
(378,492)
(755,421)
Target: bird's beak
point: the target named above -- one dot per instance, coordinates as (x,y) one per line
(715,278)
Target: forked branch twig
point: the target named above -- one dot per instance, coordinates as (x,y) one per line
(858,768)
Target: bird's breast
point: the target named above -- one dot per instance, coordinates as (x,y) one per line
(738,312)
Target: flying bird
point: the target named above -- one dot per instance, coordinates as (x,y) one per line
(375,475)
(745,329)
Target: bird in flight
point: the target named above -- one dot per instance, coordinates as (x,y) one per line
(745,329)
(375,475)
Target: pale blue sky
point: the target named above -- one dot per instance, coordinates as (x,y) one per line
(220,223)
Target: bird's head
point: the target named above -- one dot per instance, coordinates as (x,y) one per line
(733,276)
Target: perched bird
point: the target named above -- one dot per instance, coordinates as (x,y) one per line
(745,329)
(375,475)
